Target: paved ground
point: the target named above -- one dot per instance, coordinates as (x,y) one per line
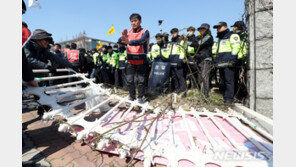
(45,145)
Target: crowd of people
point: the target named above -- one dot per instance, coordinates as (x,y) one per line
(175,63)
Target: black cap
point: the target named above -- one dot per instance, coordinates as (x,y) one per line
(239,24)
(174,30)
(109,47)
(204,26)
(165,34)
(42,34)
(158,35)
(220,24)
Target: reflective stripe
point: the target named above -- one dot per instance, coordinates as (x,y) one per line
(226,50)
(156,50)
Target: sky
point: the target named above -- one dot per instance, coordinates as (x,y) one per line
(67,18)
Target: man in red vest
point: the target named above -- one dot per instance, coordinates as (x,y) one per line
(137,40)
(75,57)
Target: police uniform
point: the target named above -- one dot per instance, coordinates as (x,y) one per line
(177,54)
(114,65)
(159,75)
(105,68)
(110,68)
(240,70)
(225,52)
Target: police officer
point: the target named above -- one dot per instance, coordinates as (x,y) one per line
(110,67)
(165,37)
(203,46)
(75,57)
(114,65)
(159,53)
(240,70)
(178,42)
(98,65)
(95,56)
(225,52)
(177,54)
(122,62)
(105,66)
(159,50)
(137,40)
(190,54)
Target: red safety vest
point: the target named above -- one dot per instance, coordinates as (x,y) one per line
(73,56)
(66,51)
(25,34)
(136,50)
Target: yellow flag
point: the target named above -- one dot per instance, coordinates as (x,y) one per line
(99,45)
(111,31)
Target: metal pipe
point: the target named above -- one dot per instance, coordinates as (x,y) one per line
(47,70)
(67,84)
(225,132)
(59,77)
(189,134)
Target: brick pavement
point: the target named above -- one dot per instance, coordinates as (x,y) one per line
(61,149)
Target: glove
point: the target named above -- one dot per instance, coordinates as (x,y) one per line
(51,69)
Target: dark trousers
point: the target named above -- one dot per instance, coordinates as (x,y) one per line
(105,76)
(116,77)
(193,77)
(227,80)
(139,71)
(178,79)
(123,78)
(204,69)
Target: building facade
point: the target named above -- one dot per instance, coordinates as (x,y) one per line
(86,42)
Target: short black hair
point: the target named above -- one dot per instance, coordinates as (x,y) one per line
(57,44)
(73,46)
(174,30)
(67,46)
(135,15)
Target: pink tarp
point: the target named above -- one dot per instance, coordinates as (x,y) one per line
(181,139)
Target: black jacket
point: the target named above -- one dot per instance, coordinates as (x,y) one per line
(39,57)
(203,46)
(27,73)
